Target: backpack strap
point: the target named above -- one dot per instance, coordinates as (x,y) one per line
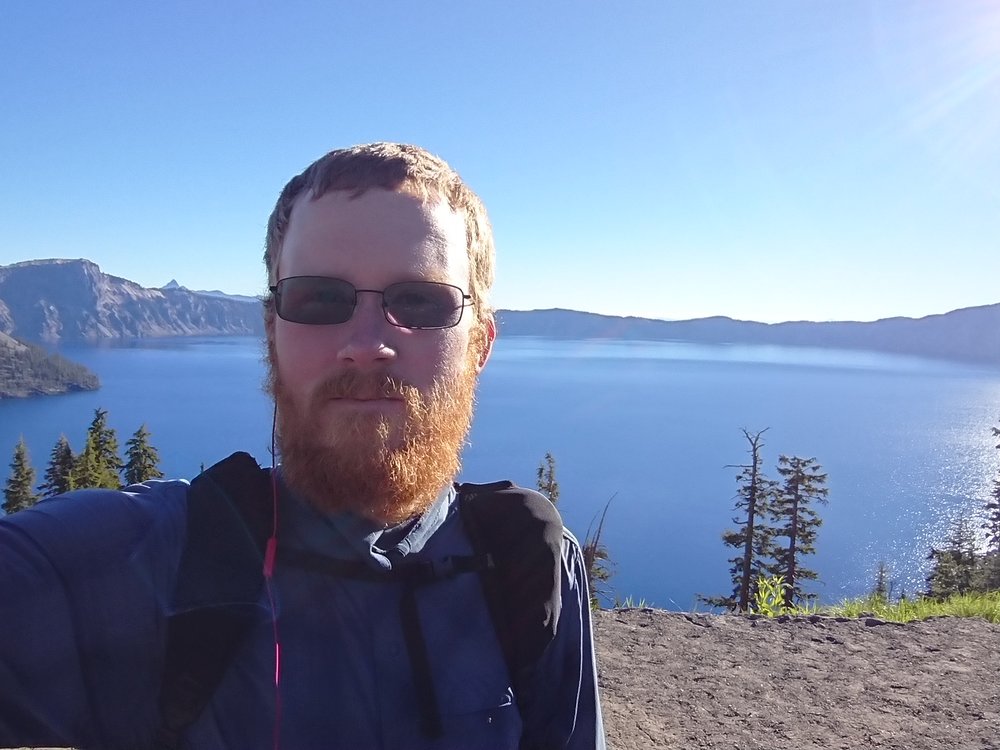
(516,535)
(521,532)
(219,582)
(430,571)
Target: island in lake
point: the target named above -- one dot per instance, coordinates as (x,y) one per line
(28,370)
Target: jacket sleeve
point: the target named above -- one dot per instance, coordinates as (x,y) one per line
(83,578)
(566,708)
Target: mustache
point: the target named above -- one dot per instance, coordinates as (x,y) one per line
(356,385)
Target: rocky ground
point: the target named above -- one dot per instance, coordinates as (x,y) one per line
(672,680)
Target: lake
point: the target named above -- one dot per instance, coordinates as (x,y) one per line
(655,426)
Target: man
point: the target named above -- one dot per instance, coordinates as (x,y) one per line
(379,262)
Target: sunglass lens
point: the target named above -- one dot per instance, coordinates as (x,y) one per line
(423,304)
(315,300)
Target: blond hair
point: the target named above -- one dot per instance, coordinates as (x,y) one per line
(390,166)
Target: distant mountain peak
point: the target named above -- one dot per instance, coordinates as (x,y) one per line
(172,284)
(73,300)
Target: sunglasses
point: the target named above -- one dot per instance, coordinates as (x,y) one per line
(320,300)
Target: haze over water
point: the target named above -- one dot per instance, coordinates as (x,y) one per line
(906,442)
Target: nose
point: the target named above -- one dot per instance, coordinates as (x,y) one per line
(367,334)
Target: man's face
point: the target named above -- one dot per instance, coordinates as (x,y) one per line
(366,407)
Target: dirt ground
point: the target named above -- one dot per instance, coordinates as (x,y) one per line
(673,680)
(724,682)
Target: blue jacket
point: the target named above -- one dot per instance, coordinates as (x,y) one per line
(86,587)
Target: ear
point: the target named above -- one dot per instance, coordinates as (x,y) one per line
(491,335)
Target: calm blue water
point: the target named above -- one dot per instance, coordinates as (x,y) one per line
(906,442)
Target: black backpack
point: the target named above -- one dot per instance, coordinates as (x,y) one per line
(516,535)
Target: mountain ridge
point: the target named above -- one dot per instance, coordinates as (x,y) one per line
(60,300)
(174,284)
(57,300)
(970,334)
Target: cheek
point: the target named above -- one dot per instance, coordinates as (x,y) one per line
(452,358)
(431,359)
(301,356)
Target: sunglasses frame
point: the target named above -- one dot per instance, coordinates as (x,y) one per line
(465,300)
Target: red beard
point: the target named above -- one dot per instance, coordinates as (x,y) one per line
(362,463)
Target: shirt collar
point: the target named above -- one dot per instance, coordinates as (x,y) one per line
(346,535)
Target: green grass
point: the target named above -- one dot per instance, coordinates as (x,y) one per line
(986,606)
(630,603)
(769,601)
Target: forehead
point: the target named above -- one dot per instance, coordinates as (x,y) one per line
(380,233)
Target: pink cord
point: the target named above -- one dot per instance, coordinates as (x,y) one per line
(270,553)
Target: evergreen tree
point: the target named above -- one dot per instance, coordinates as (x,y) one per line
(142,459)
(753,538)
(882,590)
(99,464)
(804,484)
(86,472)
(955,568)
(991,561)
(990,572)
(546,479)
(992,524)
(19,490)
(59,474)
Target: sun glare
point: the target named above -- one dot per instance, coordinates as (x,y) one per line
(960,116)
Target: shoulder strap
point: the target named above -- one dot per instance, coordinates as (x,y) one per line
(516,536)
(521,532)
(218,583)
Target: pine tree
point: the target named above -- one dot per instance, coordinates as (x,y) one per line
(86,473)
(990,571)
(991,558)
(991,561)
(19,490)
(955,568)
(882,590)
(99,464)
(754,538)
(59,474)
(992,523)
(546,479)
(142,458)
(804,484)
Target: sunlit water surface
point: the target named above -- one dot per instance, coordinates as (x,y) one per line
(655,426)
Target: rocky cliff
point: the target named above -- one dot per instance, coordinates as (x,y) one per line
(73,300)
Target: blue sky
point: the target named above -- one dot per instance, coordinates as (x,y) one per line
(765,160)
